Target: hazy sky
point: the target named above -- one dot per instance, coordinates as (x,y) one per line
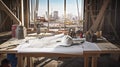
(58,5)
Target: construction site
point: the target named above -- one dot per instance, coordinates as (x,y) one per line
(46,33)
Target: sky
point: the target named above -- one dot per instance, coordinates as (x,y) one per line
(58,5)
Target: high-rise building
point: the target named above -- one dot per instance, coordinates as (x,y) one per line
(55,15)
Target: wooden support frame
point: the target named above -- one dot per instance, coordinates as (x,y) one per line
(91,13)
(85,24)
(48,10)
(64,13)
(9,12)
(26,13)
(22,13)
(1,25)
(94,27)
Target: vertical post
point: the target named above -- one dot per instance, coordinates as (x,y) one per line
(94,61)
(78,13)
(20,60)
(0,17)
(116,7)
(18,8)
(64,13)
(26,13)
(82,6)
(31,7)
(85,24)
(22,13)
(86,61)
(48,15)
(29,62)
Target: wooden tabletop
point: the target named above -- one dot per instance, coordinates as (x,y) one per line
(104,45)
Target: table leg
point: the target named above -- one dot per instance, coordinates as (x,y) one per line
(0,56)
(86,61)
(94,61)
(20,60)
(29,62)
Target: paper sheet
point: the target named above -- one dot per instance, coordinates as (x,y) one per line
(49,45)
(56,49)
(88,46)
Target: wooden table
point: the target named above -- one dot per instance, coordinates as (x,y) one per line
(105,46)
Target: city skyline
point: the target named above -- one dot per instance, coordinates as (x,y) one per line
(58,5)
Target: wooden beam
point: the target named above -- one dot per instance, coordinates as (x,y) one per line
(5,33)
(48,13)
(95,26)
(112,27)
(9,12)
(2,24)
(78,12)
(64,13)
(26,13)
(22,13)
(85,24)
(101,24)
(92,16)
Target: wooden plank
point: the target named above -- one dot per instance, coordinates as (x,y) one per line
(94,61)
(101,24)
(92,16)
(9,12)
(86,61)
(20,60)
(94,27)
(107,47)
(48,14)
(86,23)
(3,23)
(64,13)
(22,13)
(5,33)
(26,12)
